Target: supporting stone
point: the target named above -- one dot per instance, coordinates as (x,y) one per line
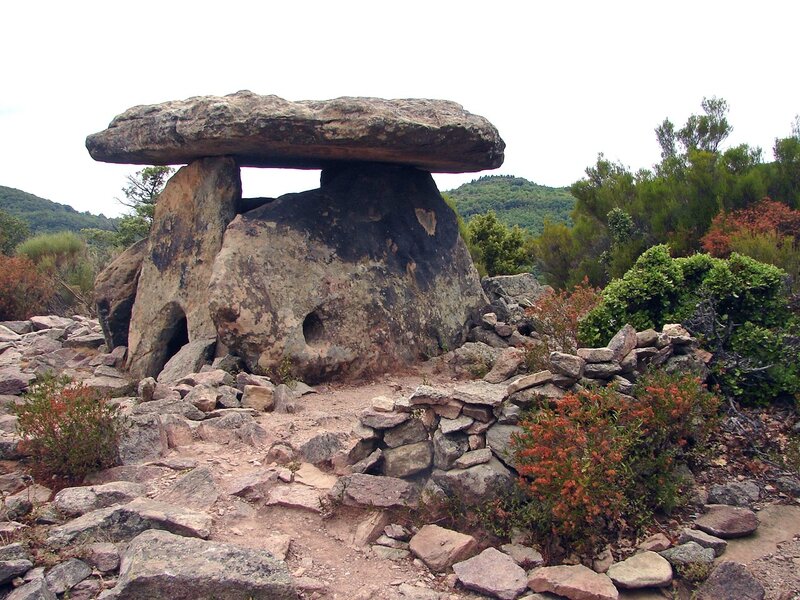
(171,307)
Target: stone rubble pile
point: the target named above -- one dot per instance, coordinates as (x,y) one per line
(457,438)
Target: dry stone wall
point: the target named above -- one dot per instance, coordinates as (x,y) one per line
(458,438)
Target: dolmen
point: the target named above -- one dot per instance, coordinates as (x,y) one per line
(363,274)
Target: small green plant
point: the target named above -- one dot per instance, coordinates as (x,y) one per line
(285,372)
(68,429)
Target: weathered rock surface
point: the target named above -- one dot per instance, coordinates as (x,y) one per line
(405,461)
(157,564)
(474,485)
(734,493)
(171,307)
(703,539)
(35,590)
(371,490)
(364,274)
(115,293)
(196,489)
(76,501)
(439,548)
(493,573)
(268,131)
(67,575)
(646,569)
(120,523)
(574,582)
(688,553)
(731,581)
(726,522)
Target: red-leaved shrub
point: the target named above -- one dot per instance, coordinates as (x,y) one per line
(24,291)
(599,461)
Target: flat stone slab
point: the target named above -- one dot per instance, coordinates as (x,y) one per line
(157,564)
(120,523)
(574,582)
(268,131)
(646,569)
(493,573)
(731,581)
(726,522)
(371,490)
(440,548)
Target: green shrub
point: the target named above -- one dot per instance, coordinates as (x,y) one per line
(64,258)
(737,306)
(24,291)
(68,429)
(599,461)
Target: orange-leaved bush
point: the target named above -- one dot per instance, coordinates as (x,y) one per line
(596,462)
(555,317)
(24,291)
(68,429)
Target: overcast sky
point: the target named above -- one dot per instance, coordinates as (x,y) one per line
(561,81)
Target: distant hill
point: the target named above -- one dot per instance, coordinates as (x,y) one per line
(515,200)
(46,216)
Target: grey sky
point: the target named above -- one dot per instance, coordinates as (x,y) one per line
(561,82)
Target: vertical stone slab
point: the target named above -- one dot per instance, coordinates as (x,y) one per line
(171,305)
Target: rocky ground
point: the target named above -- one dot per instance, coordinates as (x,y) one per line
(249,480)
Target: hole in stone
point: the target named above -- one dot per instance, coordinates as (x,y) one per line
(177,336)
(313,330)
(525,328)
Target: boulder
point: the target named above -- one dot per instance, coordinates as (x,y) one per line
(410,432)
(189,358)
(474,485)
(646,569)
(499,439)
(440,548)
(726,522)
(124,522)
(448,448)
(196,489)
(492,573)
(688,553)
(731,581)
(157,564)
(64,576)
(405,461)
(734,493)
(76,501)
(506,365)
(703,539)
(523,289)
(575,582)
(321,448)
(372,490)
(268,131)
(34,590)
(529,381)
(171,307)
(143,439)
(364,274)
(623,342)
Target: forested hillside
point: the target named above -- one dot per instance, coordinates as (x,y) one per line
(515,200)
(46,216)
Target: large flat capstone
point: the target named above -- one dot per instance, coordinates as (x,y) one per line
(268,131)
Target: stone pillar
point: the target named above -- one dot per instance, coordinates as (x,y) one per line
(171,306)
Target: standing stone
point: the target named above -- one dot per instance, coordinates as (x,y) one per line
(115,293)
(268,131)
(362,275)
(171,307)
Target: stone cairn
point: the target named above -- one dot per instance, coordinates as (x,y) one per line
(361,275)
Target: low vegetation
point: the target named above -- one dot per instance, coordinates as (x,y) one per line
(68,429)
(24,291)
(598,462)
